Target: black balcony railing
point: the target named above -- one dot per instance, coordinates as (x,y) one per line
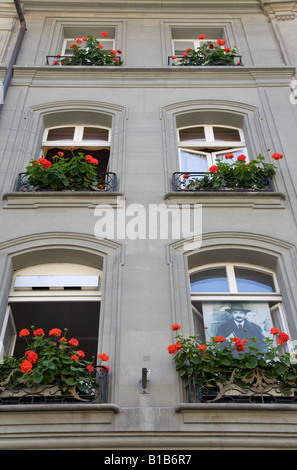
(263,390)
(53,393)
(57,60)
(107,181)
(181,182)
(175,62)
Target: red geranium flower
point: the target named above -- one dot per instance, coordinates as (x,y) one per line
(227,49)
(104,34)
(219,339)
(103,357)
(211,46)
(229,155)
(173,348)
(282,338)
(241,158)
(38,332)
(213,169)
(73,342)
(100,46)
(185,54)
(24,332)
(277,156)
(202,347)
(274,331)
(201,36)
(55,332)
(32,356)
(26,366)
(175,327)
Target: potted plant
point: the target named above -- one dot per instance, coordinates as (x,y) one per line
(208,53)
(89,52)
(74,174)
(51,365)
(221,366)
(254,175)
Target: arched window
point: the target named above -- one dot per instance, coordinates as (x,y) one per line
(227,296)
(54,295)
(200,145)
(88,139)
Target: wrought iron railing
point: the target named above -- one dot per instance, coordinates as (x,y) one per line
(57,60)
(259,388)
(181,181)
(53,392)
(107,181)
(171,61)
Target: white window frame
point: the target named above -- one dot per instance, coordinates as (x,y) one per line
(277,311)
(77,137)
(193,147)
(70,41)
(196,43)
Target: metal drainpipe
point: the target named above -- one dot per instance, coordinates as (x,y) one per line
(16,49)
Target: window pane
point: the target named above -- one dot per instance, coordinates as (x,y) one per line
(181,46)
(95,133)
(193,162)
(211,280)
(61,133)
(253,281)
(193,134)
(226,134)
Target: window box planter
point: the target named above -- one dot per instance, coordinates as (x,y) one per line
(78,173)
(240,175)
(235,370)
(52,369)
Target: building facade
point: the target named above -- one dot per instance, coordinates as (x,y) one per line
(120,265)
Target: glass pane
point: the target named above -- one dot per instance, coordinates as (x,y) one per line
(225,134)
(253,281)
(192,134)
(211,280)
(95,133)
(193,162)
(181,46)
(61,133)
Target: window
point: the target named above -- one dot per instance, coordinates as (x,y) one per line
(224,295)
(200,145)
(58,295)
(85,139)
(107,42)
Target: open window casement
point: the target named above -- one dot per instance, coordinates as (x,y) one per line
(94,140)
(8,335)
(58,295)
(200,146)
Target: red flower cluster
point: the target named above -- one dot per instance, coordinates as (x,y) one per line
(44,162)
(175,327)
(103,357)
(241,158)
(90,159)
(218,339)
(277,156)
(173,348)
(238,344)
(213,169)
(229,156)
(282,337)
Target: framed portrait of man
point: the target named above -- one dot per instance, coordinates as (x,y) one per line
(237,319)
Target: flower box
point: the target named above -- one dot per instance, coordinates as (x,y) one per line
(234,370)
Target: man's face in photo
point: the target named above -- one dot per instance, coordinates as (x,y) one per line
(238,315)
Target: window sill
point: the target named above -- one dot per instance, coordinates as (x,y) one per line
(256,199)
(71,199)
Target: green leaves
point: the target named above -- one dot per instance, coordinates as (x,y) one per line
(75,173)
(208,54)
(91,54)
(239,174)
